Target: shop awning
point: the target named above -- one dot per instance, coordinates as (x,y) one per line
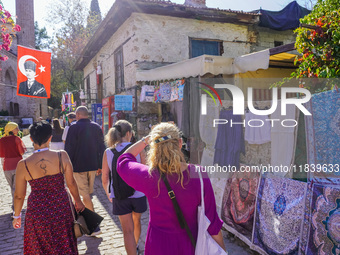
(207,64)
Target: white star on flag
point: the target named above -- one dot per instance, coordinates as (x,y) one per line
(42,68)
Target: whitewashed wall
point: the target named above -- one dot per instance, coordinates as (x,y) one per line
(162,39)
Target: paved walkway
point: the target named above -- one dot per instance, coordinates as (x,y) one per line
(110,242)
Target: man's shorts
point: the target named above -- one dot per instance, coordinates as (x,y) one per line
(129,205)
(85,182)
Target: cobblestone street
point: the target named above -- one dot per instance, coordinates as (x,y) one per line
(109,242)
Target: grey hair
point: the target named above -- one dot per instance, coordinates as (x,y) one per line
(83,111)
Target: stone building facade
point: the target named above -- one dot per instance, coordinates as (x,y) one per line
(18,106)
(159,32)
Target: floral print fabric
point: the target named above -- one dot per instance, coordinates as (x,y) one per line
(280,211)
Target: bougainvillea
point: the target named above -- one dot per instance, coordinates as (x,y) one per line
(8,29)
(318,42)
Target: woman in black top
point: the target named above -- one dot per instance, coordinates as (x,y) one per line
(57,133)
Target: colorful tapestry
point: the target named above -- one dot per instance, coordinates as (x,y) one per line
(306,222)
(165,91)
(238,203)
(323,137)
(324,230)
(279,214)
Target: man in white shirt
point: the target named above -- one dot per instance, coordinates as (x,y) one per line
(71,120)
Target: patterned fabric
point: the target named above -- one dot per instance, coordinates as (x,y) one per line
(49,221)
(238,204)
(324,233)
(174,91)
(147,93)
(165,91)
(306,223)
(279,215)
(180,85)
(157,96)
(323,135)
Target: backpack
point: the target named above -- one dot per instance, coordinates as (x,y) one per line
(121,189)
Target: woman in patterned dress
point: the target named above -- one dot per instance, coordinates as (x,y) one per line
(48,221)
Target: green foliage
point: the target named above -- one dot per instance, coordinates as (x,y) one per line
(42,40)
(71,35)
(319,46)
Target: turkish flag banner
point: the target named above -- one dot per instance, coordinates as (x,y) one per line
(34,73)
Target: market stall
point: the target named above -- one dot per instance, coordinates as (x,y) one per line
(271,213)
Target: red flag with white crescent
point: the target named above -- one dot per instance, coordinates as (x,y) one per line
(34,73)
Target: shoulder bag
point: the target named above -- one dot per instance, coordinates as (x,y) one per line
(205,244)
(79,223)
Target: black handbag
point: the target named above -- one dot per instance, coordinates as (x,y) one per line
(86,221)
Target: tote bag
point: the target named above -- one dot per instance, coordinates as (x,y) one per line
(205,244)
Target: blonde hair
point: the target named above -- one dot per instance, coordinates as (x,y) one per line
(166,156)
(117,132)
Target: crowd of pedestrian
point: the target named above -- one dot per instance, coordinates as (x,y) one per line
(131,175)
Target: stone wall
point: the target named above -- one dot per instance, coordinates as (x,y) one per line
(155,38)
(266,37)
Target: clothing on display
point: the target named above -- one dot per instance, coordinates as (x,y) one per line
(300,158)
(279,214)
(283,139)
(254,134)
(230,141)
(176,108)
(191,110)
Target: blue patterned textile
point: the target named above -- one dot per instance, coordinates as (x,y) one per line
(279,214)
(322,221)
(323,137)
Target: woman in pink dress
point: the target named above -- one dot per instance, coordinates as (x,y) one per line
(49,220)
(164,235)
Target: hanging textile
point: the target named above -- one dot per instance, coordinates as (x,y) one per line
(238,204)
(176,109)
(208,132)
(300,158)
(229,141)
(323,136)
(174,91)
(165,91)
(191,110)
(180,86)
(147,93)
(157,95)
(324,218)
(283,139)
(254,134)
(279,214)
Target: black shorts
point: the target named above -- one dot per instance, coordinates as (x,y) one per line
(129,205)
